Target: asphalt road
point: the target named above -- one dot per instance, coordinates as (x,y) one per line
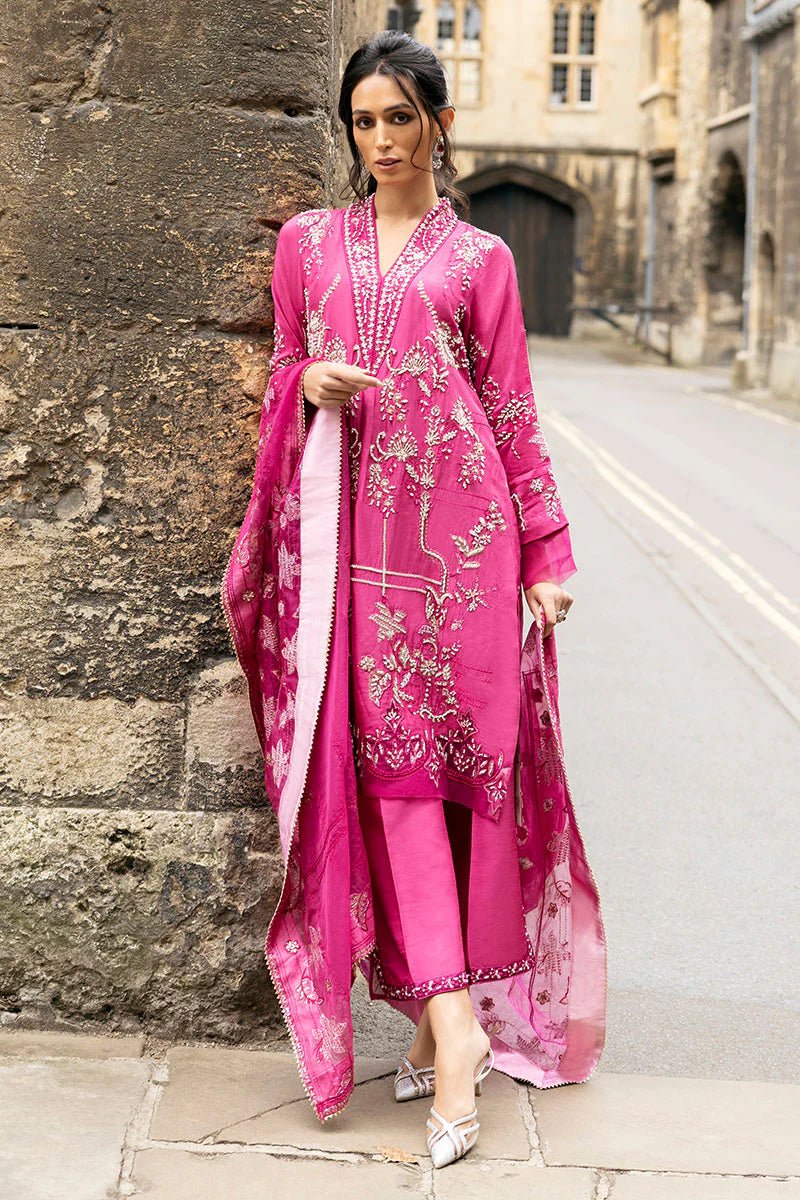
(679,670)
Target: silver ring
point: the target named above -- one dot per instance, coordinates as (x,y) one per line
(561,615)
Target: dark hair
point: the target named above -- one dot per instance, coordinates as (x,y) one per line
(391,52)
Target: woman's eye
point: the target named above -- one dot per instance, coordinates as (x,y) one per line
(363,122)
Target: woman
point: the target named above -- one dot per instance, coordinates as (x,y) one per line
(403,492)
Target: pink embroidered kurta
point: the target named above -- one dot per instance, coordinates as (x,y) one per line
(453,498)
(376,572)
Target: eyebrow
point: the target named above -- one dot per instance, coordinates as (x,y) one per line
(368,113)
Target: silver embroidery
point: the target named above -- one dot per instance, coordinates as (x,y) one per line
(378,300)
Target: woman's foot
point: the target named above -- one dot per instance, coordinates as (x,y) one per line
(456,1065)
(420,1055)
(423,1048)
(461,1043)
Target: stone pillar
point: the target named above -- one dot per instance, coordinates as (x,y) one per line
(689,288)
(151,152)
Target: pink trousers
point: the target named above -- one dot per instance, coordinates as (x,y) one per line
(447,896)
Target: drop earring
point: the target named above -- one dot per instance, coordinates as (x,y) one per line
(438,153)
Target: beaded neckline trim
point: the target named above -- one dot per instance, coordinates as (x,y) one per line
(377,298)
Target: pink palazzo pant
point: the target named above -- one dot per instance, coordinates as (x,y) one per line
(447,895)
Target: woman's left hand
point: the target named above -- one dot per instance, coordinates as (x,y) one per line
(551,597)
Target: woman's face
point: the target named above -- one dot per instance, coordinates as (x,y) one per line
(386,126)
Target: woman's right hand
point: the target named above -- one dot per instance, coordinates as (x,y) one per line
(331,384)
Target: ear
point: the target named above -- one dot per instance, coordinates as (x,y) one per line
(447,116)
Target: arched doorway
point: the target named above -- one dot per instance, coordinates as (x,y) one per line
(724,258)
(541,219)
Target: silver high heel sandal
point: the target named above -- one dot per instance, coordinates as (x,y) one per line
(412,1083)
(452,1139)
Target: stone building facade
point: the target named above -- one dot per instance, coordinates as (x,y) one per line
(771,350)
(150,154)
(547,140)
(719,216)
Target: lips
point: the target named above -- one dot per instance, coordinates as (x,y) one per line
(384,162)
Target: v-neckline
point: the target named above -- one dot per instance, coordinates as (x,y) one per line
(377,298)
(424,219)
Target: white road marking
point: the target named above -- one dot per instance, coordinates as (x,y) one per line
(756,410)
(675,521)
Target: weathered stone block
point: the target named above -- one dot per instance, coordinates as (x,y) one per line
(126,497)
(227,52)
(118,239)
(224,763)
(133,919)
(91,752)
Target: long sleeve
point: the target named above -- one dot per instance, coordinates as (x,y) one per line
(497,350)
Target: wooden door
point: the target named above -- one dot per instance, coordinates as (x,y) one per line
(541,233)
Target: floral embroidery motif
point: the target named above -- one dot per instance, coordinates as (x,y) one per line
(395,749)
(307,991)
(359,907)
(280,763)
(316,951)
(329,1037)
(317,224)
(288,567)
(468,254)
(479,536)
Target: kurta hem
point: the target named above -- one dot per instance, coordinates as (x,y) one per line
(484,797)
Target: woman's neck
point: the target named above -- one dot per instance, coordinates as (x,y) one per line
(398,205)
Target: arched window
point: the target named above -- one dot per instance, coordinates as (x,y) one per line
(471,31)
(586,40)
(445,25)
(561,30)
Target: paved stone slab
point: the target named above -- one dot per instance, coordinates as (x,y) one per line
(373,1121)
(703,1187)
(37,1043)
(491,1181)
(213,1089)
(62,1124)
(182,1175)
(634,1122)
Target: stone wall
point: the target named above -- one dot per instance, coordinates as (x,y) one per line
(775,308)
(151,153)
(689,290)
